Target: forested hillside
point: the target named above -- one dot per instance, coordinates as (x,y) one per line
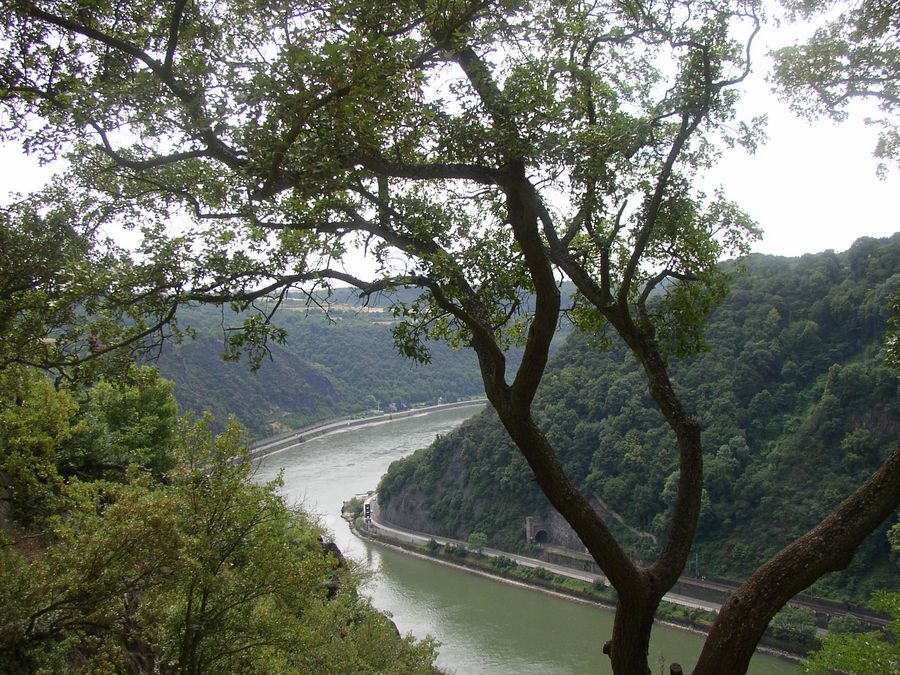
(797,409)
(332,363)
(327,367)
(132,540)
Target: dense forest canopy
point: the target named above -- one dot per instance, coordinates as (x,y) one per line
(132,540)
(480,150)
(794,377)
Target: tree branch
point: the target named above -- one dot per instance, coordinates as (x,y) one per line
(191,101)
(174,29)
(828,547)
(143,164)
(688,124)
(472,172)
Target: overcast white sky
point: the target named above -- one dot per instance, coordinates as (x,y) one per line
(811,187)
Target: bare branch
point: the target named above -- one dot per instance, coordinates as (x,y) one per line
(174,28)
(144,164)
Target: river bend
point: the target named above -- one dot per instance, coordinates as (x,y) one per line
(484,627)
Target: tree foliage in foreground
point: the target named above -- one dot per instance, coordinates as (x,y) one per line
(854,55)
(195,570)
(477,149)
(866,653)
(71,300)
(850,651)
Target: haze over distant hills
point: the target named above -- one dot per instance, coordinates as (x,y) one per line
(330,365)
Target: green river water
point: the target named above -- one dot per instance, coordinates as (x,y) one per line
(483,626)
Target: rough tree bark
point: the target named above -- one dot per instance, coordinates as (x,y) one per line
(829,547)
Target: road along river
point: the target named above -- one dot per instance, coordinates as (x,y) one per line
(483,626)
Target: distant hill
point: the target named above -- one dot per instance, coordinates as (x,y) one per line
(797,409)
(326,369)
(340,364)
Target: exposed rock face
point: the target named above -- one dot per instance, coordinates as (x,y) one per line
(332,586)
(408,510)
(553,529)
(332,548)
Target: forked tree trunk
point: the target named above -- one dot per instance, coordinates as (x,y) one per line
(639,591)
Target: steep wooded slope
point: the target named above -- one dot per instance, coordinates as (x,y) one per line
(327,367)
(323,370)
(796,404)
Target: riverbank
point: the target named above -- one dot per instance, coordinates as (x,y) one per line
(290,439)
(532,574)
(484,627)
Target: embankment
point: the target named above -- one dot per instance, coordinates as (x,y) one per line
(275,444)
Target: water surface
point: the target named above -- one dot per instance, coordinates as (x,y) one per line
(483,626)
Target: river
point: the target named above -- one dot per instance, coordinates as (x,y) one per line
(483,626)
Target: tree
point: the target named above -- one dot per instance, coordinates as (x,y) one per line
(207,573)
(797,624)
(71,301)
(479,150)
(862,653)
(846,650)
(35,419)
(477,541)
(854,55)
(48,436)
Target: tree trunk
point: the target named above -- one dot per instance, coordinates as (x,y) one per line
(829,547)
(631,633)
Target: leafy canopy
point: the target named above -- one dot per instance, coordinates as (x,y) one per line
(199,570)
(868,652)
(278,133)
(855,55)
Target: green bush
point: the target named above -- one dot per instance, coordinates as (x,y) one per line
(503,563)
(794,624)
